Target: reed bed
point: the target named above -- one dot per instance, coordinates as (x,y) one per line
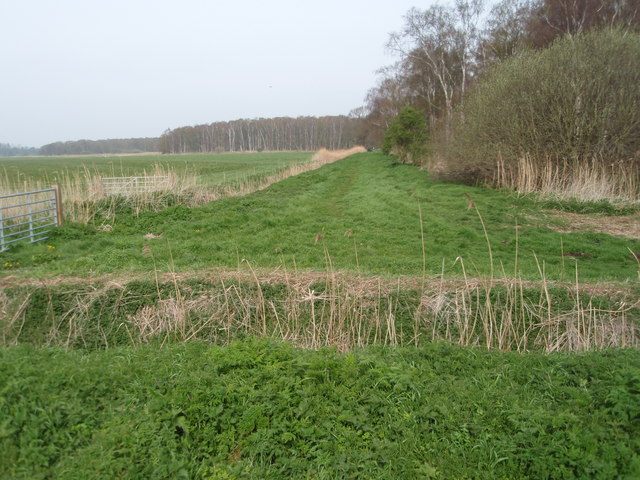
(587,181)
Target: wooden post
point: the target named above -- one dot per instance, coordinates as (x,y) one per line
(60,218)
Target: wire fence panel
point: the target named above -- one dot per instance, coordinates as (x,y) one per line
(28,216)
(133,185)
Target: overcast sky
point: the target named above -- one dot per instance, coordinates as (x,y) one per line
(95,69)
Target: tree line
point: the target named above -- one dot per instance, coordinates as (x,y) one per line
(112,146)
(443,51)
(8,150)
(262,134)
(266,134)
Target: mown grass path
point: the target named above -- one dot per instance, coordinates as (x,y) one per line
(358,214)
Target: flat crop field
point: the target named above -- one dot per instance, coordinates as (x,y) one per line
(211,169)
(359,320)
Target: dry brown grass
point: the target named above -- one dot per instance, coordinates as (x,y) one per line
(327,156)
(82,189)
(345,311)
(622,226)
(585,181)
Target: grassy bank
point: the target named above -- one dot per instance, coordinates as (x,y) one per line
(316,310)
(260,409)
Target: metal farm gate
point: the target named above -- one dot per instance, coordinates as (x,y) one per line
(133,185)
(29,216)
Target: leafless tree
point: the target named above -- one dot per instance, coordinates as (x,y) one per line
(440,43)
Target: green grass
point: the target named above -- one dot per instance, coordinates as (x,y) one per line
(341,314)
(212,169)
(259,409)
(366,208)
(264,410)
(601,207)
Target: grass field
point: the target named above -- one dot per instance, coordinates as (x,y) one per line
(129,344)
(210,169)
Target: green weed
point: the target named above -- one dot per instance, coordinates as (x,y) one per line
(259,409)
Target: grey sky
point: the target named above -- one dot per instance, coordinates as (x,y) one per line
(85,69)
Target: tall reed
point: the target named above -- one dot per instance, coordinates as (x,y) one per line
(328,309)
(572,179)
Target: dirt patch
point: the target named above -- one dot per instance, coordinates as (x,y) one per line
(620,226)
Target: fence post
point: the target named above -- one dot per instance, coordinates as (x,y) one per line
(2,247)
(59,215)
(30,219)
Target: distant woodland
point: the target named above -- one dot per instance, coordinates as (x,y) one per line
(93,147)
(270,134)
(7,150)
(84,147)
(263,134)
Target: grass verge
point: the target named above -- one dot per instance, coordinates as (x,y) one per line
(260,409)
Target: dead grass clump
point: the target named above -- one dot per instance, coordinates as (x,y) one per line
(327,156)
(512,317)
(620,225)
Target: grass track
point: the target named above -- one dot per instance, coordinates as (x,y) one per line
(359,214)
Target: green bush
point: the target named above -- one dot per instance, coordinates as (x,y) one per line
(406,137)
(577,100)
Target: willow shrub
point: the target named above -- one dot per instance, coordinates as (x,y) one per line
(407,136)
(578,100)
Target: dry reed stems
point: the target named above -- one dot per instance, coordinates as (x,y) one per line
(585,181)
(503,314)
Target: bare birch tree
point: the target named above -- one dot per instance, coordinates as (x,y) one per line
(440,42)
